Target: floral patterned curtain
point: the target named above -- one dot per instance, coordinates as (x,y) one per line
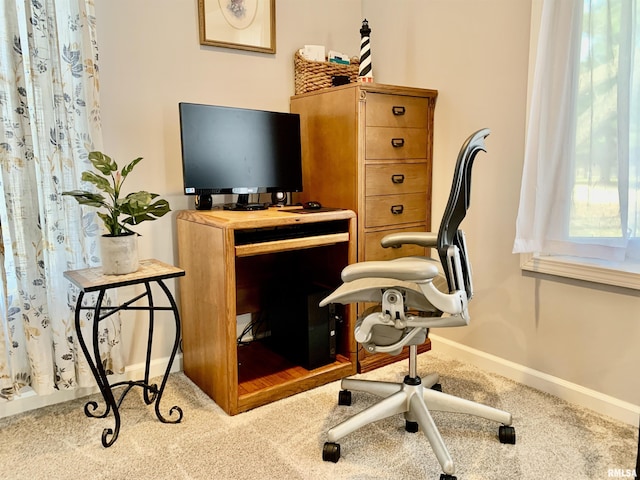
(49,121)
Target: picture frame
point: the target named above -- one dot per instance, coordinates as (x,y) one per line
(240,24)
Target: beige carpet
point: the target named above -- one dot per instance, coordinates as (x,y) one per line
(284,440)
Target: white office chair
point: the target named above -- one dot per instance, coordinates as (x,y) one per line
(415,296)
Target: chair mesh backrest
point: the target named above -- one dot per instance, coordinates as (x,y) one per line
(457,206)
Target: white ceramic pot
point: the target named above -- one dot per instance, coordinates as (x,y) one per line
(119,254)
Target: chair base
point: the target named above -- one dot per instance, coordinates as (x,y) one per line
(414,398)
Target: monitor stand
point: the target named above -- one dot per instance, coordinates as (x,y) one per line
(243,204)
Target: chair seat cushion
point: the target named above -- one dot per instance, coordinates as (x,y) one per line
(371,290)
(410,269)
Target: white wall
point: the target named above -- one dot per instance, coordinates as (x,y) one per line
(151,59)
(475,53)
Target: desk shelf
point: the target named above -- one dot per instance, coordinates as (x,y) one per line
(227,279)
(263,373)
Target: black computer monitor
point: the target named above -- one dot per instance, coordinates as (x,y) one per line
(227,150)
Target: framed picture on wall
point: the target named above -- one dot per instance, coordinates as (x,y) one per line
(240,24)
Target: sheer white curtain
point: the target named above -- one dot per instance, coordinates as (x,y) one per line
(49,120)
(579,193)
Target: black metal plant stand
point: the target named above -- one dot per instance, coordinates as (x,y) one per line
(92,280)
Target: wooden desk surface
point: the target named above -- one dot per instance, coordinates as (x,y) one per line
(92,279)
(270,217)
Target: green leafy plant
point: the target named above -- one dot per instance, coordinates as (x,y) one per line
(121,212)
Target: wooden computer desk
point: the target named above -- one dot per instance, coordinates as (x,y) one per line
(234,259)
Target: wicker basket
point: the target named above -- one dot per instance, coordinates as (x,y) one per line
(311,75)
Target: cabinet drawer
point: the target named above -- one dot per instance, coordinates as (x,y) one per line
(396,179)
(374,251)
(395,209)
(396,111)
(395,143)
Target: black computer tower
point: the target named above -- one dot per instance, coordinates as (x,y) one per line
(302,331)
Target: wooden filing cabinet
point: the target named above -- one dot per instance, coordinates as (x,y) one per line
(368,148)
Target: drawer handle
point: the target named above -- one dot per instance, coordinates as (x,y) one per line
(397,178)
(397,209)
(397,142)
(398,110)
(396,246)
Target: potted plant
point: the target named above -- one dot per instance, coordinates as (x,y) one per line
(119,246)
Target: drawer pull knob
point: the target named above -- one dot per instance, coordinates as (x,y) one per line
(397,209)
(397,142)
(397,178)
(398,110)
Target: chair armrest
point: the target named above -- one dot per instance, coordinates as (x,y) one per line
(415,270)
(424,239)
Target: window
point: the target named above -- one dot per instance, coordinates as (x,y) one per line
(580,188)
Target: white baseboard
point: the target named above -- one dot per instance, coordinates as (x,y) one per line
(28,400)
(604,404)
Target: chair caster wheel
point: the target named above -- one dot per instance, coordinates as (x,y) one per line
(411,427)
(507,434)
(446,476)
(344,397)
(438,388)
(331,452)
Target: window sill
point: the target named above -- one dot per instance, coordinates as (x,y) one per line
(625,275)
